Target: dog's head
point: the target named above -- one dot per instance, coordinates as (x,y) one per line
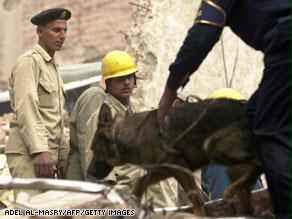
(107,149)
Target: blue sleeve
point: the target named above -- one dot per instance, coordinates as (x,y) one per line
(201,38)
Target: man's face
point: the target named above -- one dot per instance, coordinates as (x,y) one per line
(122,87)
(52,35)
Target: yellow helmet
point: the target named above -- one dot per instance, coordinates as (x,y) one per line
(227,93)
(116,64)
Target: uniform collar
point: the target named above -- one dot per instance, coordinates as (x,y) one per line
(43,53)
(117,104)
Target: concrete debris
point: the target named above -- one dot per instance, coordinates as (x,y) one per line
(100,206)
(227,208)
(4,129)
(2,137)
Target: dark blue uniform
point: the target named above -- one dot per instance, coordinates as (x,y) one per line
(264,25)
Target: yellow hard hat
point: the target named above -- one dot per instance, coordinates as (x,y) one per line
(227,93)
(116,64)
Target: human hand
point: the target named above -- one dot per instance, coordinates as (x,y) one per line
(44,164)
(165,104)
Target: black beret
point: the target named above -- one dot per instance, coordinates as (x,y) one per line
(51,15)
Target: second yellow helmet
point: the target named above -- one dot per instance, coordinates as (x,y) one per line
(227,93)
(116,64)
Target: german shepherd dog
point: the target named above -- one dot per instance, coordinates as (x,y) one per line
(207,131)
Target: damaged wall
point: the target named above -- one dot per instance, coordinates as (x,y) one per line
(158,33)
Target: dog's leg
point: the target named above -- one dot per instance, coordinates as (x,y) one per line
(242,176)
(230,145)
(244,206)
(188,183)
(140,184)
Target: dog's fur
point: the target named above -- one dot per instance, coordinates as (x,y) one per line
(209,131)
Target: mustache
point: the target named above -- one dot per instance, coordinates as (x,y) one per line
(126,87)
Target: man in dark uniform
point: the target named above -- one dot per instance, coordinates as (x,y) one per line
(264,25)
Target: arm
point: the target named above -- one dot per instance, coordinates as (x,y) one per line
(25,98)
(200,39)
(80,155)
(74,165)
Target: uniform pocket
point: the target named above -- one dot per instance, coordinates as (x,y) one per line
(47,94)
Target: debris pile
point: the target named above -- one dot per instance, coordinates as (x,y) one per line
(4,129)
(109,202)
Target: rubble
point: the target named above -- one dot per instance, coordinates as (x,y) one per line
(122,199)
(2,138)
(4,129)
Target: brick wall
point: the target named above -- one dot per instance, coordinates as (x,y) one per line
(93,29)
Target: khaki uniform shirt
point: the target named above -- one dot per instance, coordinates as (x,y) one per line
(37,99)
(119,174)
(125,173)
(164,193)
(80,156)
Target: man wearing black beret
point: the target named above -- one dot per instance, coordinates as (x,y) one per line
(36,146)
(51,15)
